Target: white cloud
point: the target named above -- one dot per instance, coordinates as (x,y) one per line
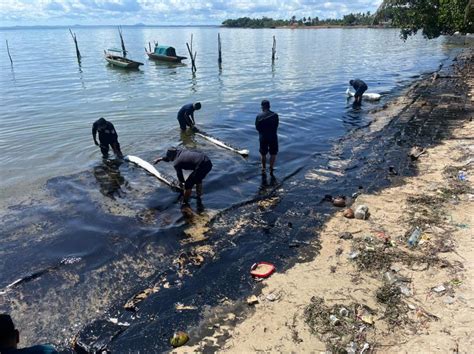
(34,12)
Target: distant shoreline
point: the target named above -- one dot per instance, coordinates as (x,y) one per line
(311,27)
(189,26)
(334,26)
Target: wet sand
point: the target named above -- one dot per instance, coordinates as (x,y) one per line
(398,298)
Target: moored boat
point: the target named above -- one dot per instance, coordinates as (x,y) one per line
(120,61)
(165,53)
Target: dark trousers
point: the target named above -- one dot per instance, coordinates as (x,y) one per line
(360,91)
(104,148)
(198,174)
(184,122)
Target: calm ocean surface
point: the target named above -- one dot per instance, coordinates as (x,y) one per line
(62,206)
(49,102)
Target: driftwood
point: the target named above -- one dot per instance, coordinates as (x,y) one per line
(78,53)
(8,51)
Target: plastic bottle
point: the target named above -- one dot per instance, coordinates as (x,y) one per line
(462,176)
(414,237)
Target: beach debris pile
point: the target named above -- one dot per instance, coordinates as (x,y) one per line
(390,295)
(344,328)
(378,253)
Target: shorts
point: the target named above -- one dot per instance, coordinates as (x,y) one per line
(198,174)
(360,91)
(268,145)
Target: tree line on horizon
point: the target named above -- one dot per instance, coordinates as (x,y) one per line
(432,17)
(352,19)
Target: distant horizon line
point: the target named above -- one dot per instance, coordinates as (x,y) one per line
(109,25)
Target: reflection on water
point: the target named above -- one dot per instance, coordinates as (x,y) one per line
(109,178)
(266,183)
(187,138)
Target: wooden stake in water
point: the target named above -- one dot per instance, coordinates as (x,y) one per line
(219,60)
(274,49)
(193,57)
(122,42)
(8,50)
(78,53)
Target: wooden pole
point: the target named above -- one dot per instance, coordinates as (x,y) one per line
(8,50)
(274,49)
(193,57)
(122,42)
(219,47)
(191,42)
(149,46)
(78,53)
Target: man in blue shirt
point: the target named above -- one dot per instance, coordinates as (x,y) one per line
(186,115)
(10,337)
(194,161)
(266,124)
(360,87)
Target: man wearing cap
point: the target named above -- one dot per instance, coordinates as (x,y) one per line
(107,136)
(194,161)
(186,115)
(360,87)
(10,337)
(266,124)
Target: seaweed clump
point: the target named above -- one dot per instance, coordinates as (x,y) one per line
(342,328)
(396,310)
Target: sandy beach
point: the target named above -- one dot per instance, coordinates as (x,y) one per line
(368,289)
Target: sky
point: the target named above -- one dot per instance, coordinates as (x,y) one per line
(168,12)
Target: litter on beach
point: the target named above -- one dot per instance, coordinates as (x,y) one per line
(262,269)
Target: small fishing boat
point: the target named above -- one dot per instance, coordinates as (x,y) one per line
(165,53)
(120,61)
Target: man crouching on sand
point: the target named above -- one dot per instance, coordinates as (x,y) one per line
(194,161)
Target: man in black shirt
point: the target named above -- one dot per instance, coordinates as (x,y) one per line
(194,161)
(107,136)
(186,115)
(360,87)
(266,124)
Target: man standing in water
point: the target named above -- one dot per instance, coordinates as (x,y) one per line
(186,115)
(194,161)
(266,124)
(107,136)
(360,87)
